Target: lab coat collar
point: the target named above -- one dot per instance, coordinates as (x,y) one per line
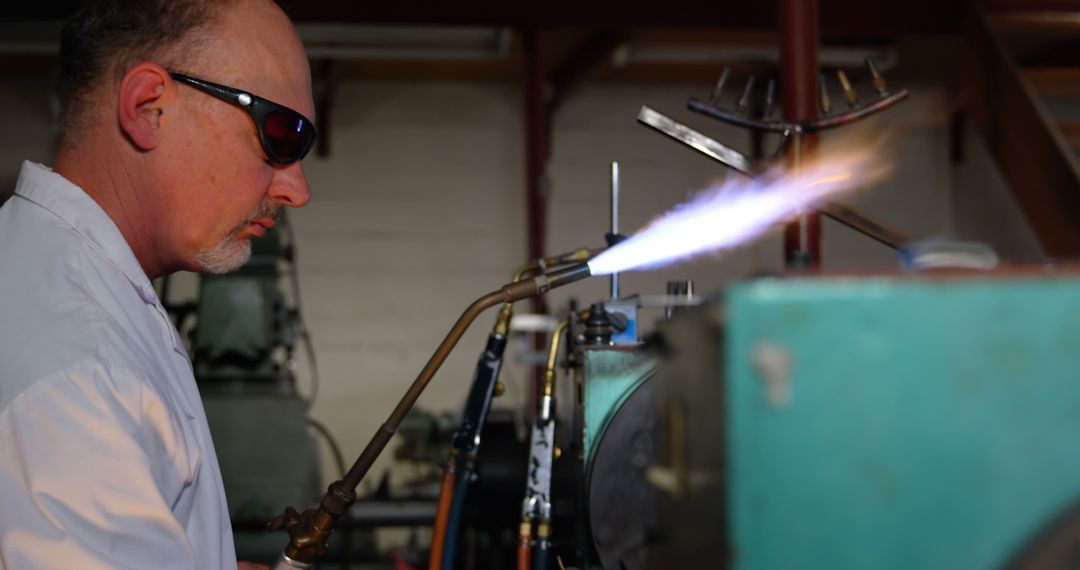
(42,186)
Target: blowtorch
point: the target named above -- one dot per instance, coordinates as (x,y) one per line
(309,531)
(460,464)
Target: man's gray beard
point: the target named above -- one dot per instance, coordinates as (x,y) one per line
(231,253)
(228,255)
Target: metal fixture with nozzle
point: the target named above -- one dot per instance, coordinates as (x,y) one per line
(309,531)
(598,328)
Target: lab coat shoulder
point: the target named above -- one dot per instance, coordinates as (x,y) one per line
(92,464)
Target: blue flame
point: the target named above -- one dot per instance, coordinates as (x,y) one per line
(734,212)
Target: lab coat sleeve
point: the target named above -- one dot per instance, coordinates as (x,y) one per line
(92,464)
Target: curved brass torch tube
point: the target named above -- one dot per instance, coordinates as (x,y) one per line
(309,531)
(553,355)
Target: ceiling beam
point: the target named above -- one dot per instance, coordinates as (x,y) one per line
(857,18)
(1034,157)
(591,54)
(860,18)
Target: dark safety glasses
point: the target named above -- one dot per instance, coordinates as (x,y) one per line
(286,135)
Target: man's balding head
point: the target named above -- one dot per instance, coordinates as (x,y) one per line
(185,175)
(101,41)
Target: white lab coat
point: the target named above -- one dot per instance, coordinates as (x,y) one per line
(105,454)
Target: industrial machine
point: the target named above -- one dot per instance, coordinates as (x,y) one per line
(889,421)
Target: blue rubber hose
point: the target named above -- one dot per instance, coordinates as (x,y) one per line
(461,488)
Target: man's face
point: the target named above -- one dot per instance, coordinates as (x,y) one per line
(222,192)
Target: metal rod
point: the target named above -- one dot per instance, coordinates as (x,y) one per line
(826,101)
(770,94)
(864,224)
(697,141)
(719,89)
(849,91)
(879,80)
(615,220)
(745,99)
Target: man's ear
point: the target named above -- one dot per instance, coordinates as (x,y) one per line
(143,96)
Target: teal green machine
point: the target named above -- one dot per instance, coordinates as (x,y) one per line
(853,423)
(911,420)
(615,421)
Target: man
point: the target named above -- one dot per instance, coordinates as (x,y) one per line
(105,456)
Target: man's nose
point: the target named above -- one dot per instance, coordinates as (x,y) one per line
(289,186)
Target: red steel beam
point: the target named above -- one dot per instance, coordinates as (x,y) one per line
(537,152)
(1035,158)
(799,39)
(536,147)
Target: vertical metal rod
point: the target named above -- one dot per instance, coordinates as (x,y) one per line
(795,165)
(801,89)
(614,220)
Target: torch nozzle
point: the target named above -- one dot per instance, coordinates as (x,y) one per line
(548,281)
(502,322)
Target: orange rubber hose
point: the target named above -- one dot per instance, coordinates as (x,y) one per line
(442,515)
(524,551)
(523,556)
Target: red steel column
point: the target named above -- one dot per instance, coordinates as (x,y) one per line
(537,152)
(799,24)
(536,149)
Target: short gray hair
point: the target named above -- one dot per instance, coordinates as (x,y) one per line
(106,36)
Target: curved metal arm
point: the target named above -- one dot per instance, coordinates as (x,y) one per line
(708,109)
